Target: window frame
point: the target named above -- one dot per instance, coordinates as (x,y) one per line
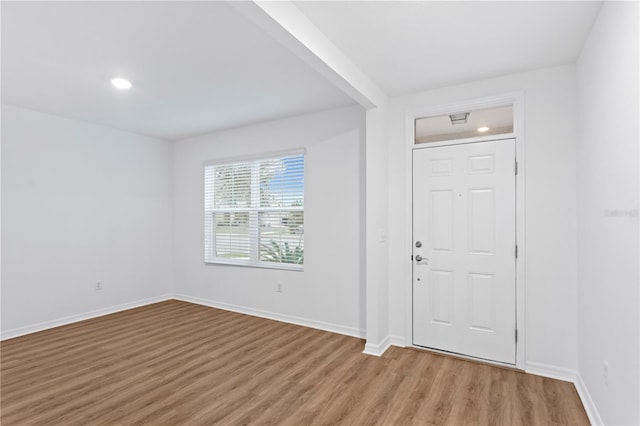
(254,211)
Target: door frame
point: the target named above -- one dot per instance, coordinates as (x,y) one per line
(517,99)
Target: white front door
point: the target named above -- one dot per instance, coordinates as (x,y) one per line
(464,254)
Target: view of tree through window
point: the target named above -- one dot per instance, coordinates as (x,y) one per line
(254,212)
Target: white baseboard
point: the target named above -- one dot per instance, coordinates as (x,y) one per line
(587,402)
(380,348)
(377,349)
(325,326)
(551,371)
(320,325)
(399,341)
(21,331)
(568,375)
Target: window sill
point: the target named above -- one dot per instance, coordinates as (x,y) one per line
(261,265)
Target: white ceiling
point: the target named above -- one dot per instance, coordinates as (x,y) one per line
(195,66)
(409,46)
(202,66)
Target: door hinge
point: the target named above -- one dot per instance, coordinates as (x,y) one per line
(516,335)
(515,167)
(516,251)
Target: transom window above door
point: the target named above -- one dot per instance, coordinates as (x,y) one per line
(464,125)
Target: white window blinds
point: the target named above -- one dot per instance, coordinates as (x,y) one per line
(254,212)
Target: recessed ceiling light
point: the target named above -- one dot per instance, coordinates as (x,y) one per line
(483,129)
(121,83)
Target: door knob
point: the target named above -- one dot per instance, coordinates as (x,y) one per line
(418,258)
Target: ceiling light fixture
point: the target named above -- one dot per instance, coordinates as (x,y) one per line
(121,83)
(483,129)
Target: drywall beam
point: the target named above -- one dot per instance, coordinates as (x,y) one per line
(288,25)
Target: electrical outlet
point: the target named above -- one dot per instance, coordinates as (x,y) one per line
(279,287)
(98,285)
(605,372)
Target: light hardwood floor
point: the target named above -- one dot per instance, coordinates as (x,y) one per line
(178,363)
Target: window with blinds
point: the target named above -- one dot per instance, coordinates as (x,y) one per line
(254,212)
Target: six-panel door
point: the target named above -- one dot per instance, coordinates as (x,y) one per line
(464,277)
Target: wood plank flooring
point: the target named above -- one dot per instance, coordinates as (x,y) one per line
(176,363)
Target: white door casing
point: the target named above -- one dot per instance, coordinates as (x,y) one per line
(464,215)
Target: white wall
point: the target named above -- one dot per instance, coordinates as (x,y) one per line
(80,203)
(550,171)
(330,291)
(608,192)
